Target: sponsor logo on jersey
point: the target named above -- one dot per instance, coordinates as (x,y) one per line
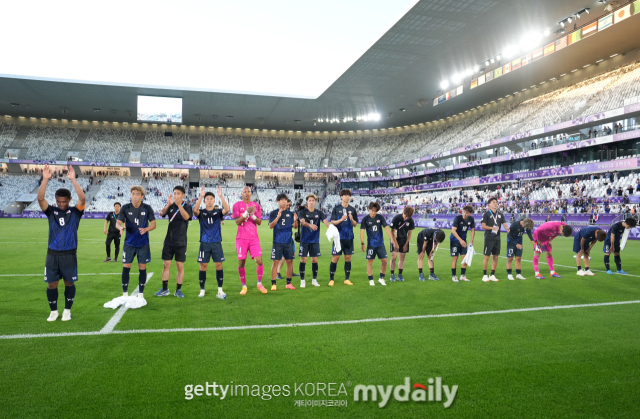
(55,212)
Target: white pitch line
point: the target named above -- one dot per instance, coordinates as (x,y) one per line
(338,322)
(42,274)
(111,324)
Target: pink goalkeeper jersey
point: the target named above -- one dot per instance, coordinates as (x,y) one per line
(547,231)
(247,230)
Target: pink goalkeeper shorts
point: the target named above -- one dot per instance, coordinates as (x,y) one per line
(246,247)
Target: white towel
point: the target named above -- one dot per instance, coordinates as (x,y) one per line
(333,234)
(129,302)
(469,256)
(623,240)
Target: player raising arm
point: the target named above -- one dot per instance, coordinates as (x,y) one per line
(61,262)
(211,237)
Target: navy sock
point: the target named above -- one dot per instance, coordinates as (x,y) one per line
(618,262)
(431,270)
(518,271)
(52,297)
(178,286)
(454,271)
(125,279)
(165,285)
(333,267)
(493,272)
(347,270)
(393,272)
(220,277)
(485,271)
(69,296)
(606,262)
(579,267)
(202,277)
(370,277)
(288,281)
(302,268)
(314,269)
(142,280)
(463,271)
(381,275)
(273,282)
(400,271)
(509,271)
(420,269)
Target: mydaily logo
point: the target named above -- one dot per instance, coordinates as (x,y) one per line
(432,392)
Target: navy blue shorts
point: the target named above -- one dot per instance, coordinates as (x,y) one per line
(346,248)
(129,253)
(58,267)
(576,244)
(210,251)
(379,251)
(309,249)
(607,245)
(457,249)
(280,250)
(513,251)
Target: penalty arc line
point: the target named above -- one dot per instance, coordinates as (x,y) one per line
(111,324)
(328,323)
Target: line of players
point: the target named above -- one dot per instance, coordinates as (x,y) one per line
(137,219)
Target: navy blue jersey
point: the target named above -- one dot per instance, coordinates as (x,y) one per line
(135,218)
(282,230)
(345,228)
(374,227)
(617,229)
(462,227)
(589,234)
(63,228)
(315,217)
(210,222)
(516,231)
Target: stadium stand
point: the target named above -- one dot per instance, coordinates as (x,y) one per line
(314,151)
(47,143)
(12,186)
(166,150)
(8,133)
(108,145)
(55,184)
(272,150)
(220,150)
(341,149)
(108,193)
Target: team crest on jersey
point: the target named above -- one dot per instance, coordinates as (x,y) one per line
(287,215)
(378,221)
(69,212)
(316,216)
(142,213)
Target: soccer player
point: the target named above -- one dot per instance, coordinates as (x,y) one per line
(310,219)
(402,226)
(612,243)
(175,242)
(293,246)
(281,221)
(344,217)
(113,234)
(461,226)
(248,217)
(211,237)
(138,218)
(374,223)
(61,262)
(428,241)
(491,221)
(583,242)
(542,243)
(514,246)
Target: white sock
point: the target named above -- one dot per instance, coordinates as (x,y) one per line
(220,290)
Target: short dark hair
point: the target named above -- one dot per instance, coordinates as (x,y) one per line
(63,193)
(345,192)
(601,235)
(180,188)
(493,198)
(440,236)
(408,211)
(288,201)
(375,205)
(281,197)
(117,203)
(216,206)
(468,208)
(566,231)
(631,222)
(209,194)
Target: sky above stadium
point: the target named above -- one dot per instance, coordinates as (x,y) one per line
(288,48)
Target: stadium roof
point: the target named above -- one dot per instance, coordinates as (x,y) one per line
(431,42)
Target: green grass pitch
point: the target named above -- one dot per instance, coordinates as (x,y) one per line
(575,362)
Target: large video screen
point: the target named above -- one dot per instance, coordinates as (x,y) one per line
(160,109)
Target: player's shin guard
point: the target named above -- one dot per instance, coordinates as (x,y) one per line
(259,273)
(302,267)
(125,279)
(243,276)
(332,269)
(347,270)
(618,262)
(69,296)
(142,280)
(550,262)
(52,297)
(606,262)
(314,269)
(536,263)
(202,277)
(220,277)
